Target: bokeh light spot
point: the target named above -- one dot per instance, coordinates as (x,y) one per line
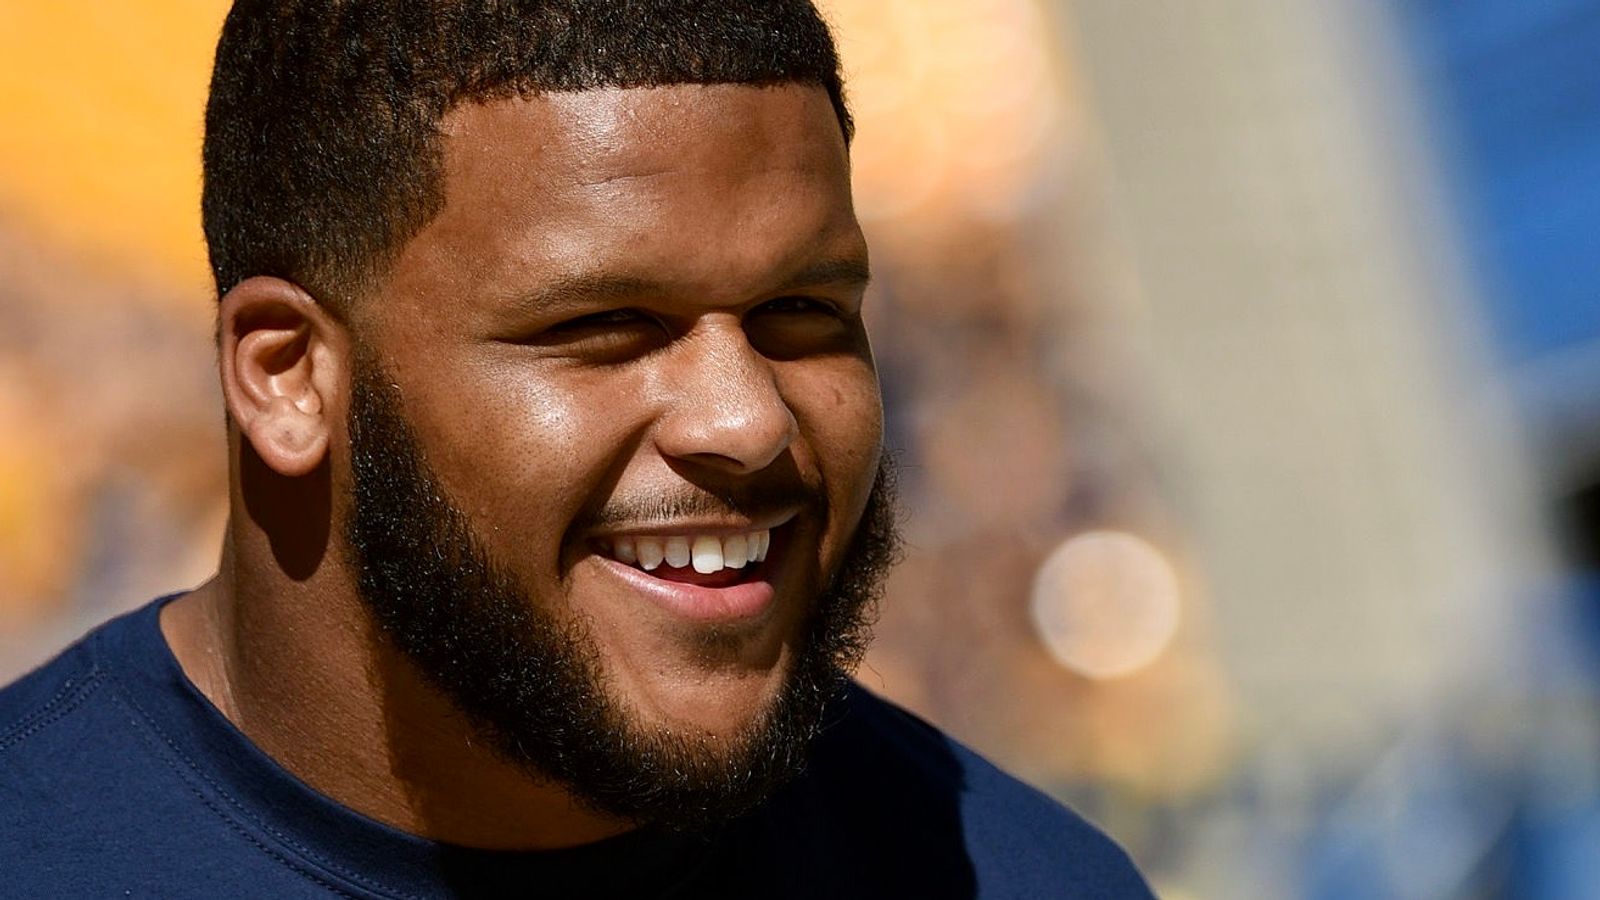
(1106,603)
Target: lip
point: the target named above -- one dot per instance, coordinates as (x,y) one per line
(747,600)
(683,528)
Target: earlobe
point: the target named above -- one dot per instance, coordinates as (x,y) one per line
(287,439)
(280,353)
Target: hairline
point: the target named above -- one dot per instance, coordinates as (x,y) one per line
(368,276)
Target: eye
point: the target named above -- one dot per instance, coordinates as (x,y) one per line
(608,336)
(611,318)
(797,326)
(798,305)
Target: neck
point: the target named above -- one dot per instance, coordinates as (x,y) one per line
(299,668)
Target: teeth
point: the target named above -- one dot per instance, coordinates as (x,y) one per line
(735,551)
(625,551)
(678,554)
(707,553)
(651,553)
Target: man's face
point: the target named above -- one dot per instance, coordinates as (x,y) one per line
(635,325)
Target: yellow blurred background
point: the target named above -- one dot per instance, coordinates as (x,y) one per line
(1214,515)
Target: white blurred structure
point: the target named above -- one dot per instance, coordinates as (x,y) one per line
(1362,513)
(1354,488)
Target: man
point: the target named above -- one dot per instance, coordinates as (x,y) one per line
(558,508)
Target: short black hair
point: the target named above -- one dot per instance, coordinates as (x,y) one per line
(322,151)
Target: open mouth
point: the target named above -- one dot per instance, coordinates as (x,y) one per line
(710,560)
(718,575)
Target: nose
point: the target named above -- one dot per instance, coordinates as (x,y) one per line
(724,407)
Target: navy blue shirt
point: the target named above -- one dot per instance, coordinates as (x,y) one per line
(119,779)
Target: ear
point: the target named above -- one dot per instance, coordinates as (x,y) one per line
(281,360)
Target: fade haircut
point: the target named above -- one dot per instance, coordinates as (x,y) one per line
(322,146)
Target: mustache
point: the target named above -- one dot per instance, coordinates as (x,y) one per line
(752,500)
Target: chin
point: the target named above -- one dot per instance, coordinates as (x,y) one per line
(717,701)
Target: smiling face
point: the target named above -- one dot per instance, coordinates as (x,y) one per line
(632,336)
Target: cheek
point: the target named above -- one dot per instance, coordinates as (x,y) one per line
(525,455)
(840,413)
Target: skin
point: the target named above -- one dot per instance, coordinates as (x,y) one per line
(629,296)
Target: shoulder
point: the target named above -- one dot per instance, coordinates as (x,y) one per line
(62,731)
(52,725)
(918,790)
(65,758)
(93,800)
(38,702)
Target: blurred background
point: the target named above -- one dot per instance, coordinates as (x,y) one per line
(1243,358)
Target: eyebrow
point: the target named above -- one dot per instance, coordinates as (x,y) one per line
(586,289)
(849,270)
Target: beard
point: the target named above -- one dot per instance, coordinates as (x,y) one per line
(533,684)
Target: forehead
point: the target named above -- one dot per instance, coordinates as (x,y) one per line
(709,188)
(592,135)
